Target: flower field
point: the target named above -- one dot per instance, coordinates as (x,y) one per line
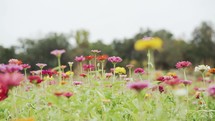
(91,92)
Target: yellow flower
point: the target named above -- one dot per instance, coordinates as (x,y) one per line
(148,43)
(147,95)
(120,70)
(48,78)
(171,74)
(24,119)
(63,82)
(69,73)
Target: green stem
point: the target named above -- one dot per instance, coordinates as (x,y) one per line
(129,72)
(114,66)
(59,69)
(41,74)
(203,79)
(81,67)
(140,77)
(102,69)
(185,77)
(25,71)
(148,63)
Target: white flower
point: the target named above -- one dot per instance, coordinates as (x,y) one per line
(202,68)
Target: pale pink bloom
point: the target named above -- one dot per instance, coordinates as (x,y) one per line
(41,65)
(127,79)
(122,76)
(80,58)
(10,68)
(37,72)
(25,66)
(115,59)
(173,82)
(11,79)
(138,86)
(139,71)
(14,61)
(95,51)
(58,53)
(112,70)
(77,82)
(129,66)
(108,75)
(183,64)
(88,67)
(211,91)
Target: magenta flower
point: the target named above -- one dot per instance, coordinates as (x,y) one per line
(211,91)
(161,88)
(68,94)
(80,58)
(10,68)
(139,71)
(41,65)
(183,64)
(164,78)
(58,53)
(25,66)
(138,86)
(77,82)
(88,67)
(11,79)
(3,91)
(114,59)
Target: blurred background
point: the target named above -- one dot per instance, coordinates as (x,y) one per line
(30,29)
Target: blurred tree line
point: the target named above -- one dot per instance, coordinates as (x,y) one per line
(199,50)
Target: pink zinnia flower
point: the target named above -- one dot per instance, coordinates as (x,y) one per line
(10,68)
(114,59)
(77,82)
(88,67)
(41,65)
(80,58)
(58,53)
(129,66)
(108,75)
(25,66)
(211,91)
(186,82)
(15,61)
(95,51)
(139,71)
(164,78)
(183,64)
(11,79)
(138,86)
(173,82)
(48,72)
(68,94)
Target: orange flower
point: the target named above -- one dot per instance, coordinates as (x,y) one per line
(102,57)
(90,57)
(212,71)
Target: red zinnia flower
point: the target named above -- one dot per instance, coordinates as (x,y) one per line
(102,57)
(83,75)
(3,91)
(138,86)
(35,79)
(90,57)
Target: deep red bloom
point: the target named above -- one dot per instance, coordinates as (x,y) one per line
(138,86)
(48,72)
(102,57)
(139,71)
(35,79)
(77,83)
(3,91)
(68,94)
(90,57)
(164,78)
(161,89)
(83,75)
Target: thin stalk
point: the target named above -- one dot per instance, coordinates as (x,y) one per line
(81,67)
(129,69)
(114,66)
(185,77)
(25,71)
(59,69)
(102,69)
(148,63)
(203,79)
(41,74)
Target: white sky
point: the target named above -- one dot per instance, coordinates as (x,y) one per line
(104,19)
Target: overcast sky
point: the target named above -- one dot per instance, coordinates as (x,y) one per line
(104,19)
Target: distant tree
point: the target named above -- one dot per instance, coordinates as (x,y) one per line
(6,54)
